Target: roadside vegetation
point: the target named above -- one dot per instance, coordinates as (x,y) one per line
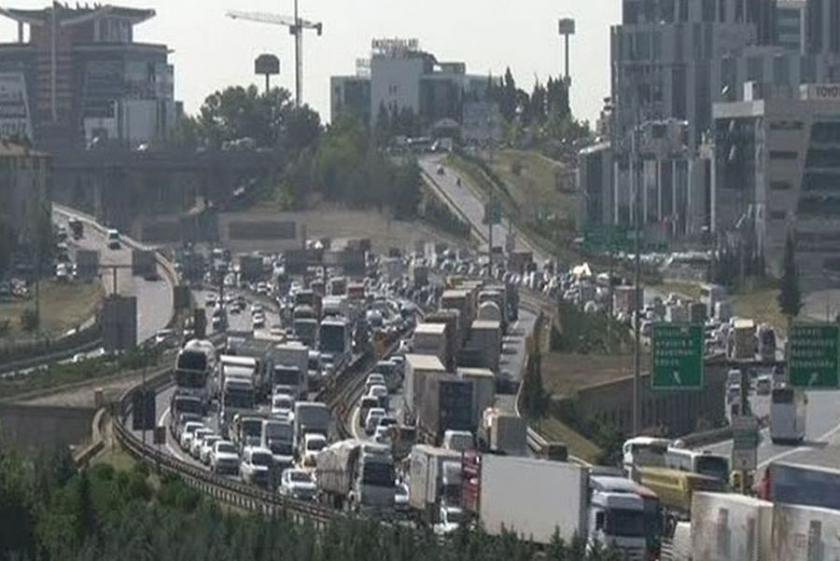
(50,511)
(64,306)
(60,374)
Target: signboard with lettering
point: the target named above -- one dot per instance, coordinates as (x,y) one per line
(812,360)
(821,91)
(395,45)
(677,357)
(14,106)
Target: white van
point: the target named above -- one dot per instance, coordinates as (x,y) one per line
(787,415)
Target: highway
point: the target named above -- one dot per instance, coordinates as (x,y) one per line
(465,197)
(154,298)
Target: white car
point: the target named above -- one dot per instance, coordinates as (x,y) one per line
(312,445)
(207,448)
(258,321)
(187,433)
(255,466)
(382,434)
(224,458)
(372,419)
(450,520)
(380,392)
(374,379)
(298,484)
(198,441)
(283,405)
(401,497)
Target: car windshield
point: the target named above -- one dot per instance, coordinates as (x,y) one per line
(316,445)
(300,477)
(188,405)
(282,403)
(453,516)
(225,448)
(625,523)
(261,459)
(713,466)
(252,427)
(380,474)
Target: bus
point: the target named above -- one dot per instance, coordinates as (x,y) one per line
(787,415)
(699,462)
(644,451)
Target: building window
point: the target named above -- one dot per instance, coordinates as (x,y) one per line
(755,69)
(683,11)
(778,215)
(821,182)
(709,11)
(786,125)
(823,158)
(826,133)
(780,186)
(783,155)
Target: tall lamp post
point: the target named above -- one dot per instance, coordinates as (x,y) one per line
(566,28)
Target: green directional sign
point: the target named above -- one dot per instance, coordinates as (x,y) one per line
(493,213)
(812,358)
(677,357)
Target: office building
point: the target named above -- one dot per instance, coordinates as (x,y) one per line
(25,182)
(823,26)
(777,170)
(790,25)
(403,77)
(75,75)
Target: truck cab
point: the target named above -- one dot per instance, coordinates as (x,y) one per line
(278,438)
(617,520)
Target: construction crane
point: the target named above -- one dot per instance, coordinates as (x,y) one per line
(296,26)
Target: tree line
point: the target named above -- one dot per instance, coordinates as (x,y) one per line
(50,511)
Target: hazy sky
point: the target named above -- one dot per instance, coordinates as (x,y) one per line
(212,51)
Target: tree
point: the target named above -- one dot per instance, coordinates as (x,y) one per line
(507,96)
(790,298)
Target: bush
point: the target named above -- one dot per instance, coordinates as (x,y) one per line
(29,319)
(516,168)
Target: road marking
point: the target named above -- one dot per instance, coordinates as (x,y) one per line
(823,438)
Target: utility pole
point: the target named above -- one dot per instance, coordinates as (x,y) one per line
(490,219)
(637,223)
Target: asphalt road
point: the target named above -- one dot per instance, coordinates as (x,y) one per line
(154,298)
(465,197)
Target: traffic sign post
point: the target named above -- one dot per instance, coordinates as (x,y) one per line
(744,443)
(493,213)
(813,356)
(677,357)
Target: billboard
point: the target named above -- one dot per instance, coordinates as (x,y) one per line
(14,106)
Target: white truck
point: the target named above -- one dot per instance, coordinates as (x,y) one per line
(310,418)
(434,481)
(432,339)
(290,370)
(238,390)
(336,306)
(278,437)
(357,476)
(503,433)
(536,498)
(804,533)
(726,526)
(484,389)
(486,337)
(417,368)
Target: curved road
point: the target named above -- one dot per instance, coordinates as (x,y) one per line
(154,298)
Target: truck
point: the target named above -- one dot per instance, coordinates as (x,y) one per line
(246,429)
(462,300)
(417,368)
(536,498)
(801,484)
(484,389)
(238,392)
(432,339)
(257,350)
(306,330)
(310,418)
(356,476)
(418,274)
(290,370)
(447,405)
(489,311)
(804,533)
(455,332)
(728,526)
(194,368)
(336,306)
(743,343)
(434,480)
(496,295)
(278,436)
(486,337)
(675,488)
(503,433)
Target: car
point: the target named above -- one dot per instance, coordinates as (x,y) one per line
(113,237)
(62,272)
(255,466)
(224,459)
(164,336)
(185,440)
(374,379)
(298,484)
(258,321)
(372,419)
(366,404)
(282,405)
(257,309)
(380,392)
(382,434)
(764,385)
(313,443)
(401,497)
(207,448)
(198,441)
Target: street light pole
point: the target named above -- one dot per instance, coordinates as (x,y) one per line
(637,352)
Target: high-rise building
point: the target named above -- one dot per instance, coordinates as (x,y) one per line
(823,26)
(76,74)
(403,77)
(777,170)
(790,25)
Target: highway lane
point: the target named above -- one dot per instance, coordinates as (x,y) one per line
(466,198)
(154,298)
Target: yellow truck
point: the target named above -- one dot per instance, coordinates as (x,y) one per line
(675,488)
